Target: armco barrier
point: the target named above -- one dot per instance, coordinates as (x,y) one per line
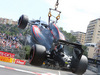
(93,61)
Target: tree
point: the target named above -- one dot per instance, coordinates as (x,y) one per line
(85,50)
(27,50)
(69,37)
(10,29)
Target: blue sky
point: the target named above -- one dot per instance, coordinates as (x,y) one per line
(32,8)
(76,14)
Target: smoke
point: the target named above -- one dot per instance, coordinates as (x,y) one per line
(28,38)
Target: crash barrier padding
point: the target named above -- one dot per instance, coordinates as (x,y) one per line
(6,54)
(9,57)
(18,61)
(6,59)
(93,61)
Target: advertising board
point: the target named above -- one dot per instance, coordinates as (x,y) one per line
(18,61)
(6,54)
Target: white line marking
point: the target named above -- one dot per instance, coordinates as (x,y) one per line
(59,72)
(2,66)
(18,70)
(26,71)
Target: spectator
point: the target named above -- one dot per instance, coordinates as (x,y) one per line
(7,41)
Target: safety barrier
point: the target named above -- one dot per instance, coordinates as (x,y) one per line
(93,61)
(9,57)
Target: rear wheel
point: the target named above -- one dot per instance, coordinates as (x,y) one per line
(37,55)
(23,21)
(81,66)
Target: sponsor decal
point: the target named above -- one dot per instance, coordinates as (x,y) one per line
(9,57)
(18,61)
(6,59)
(6,54)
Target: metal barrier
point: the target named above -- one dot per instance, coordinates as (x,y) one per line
(93,61)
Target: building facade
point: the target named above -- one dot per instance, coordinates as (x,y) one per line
(80,36)
(93,31)
(91,49)
(93,35)
(97,51)
(7,21)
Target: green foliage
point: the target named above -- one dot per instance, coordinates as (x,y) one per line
(85,50)
(10,29)
(69,37)
(27,49)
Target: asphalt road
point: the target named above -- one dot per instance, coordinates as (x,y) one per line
(15,69)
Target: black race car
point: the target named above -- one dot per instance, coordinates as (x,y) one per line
(47,45)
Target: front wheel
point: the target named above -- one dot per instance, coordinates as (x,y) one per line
(81,66)
(23,21)
(37,55)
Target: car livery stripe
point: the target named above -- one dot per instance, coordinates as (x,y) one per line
(25,71)
(36,31)
(52,34)
(61,36)
(57,29)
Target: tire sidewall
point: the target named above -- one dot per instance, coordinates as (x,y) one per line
(38,53)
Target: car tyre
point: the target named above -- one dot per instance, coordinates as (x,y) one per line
(81,67)
(23,21)
(37,55)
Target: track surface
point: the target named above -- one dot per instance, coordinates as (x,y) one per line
(15,69)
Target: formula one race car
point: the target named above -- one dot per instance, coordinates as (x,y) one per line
(47,45)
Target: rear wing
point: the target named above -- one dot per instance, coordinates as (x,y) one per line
(77,52)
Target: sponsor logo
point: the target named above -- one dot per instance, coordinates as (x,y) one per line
(6,54)
(22,62)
